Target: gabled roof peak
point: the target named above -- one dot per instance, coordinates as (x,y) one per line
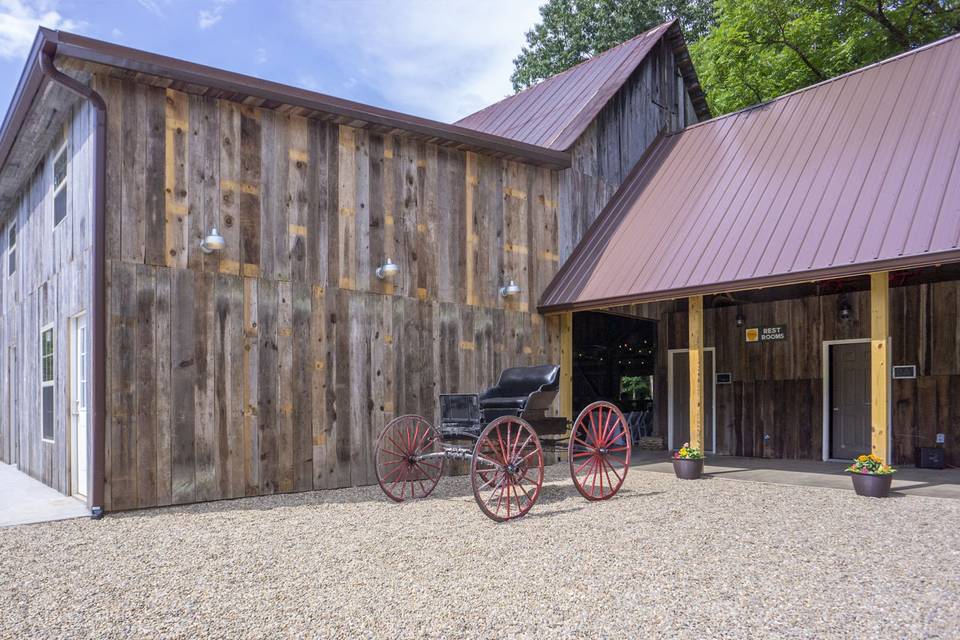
(554,112)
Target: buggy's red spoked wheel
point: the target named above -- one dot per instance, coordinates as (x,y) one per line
(406,458)
(507,469)
(599,451)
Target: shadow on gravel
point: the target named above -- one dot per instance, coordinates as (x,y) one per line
(451,488)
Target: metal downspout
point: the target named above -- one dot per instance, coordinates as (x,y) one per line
(98,277)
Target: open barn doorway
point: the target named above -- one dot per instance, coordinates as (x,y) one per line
(614,359)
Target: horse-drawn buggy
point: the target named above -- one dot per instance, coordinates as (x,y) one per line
(503,433)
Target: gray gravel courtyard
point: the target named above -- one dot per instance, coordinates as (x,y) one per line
(666,558)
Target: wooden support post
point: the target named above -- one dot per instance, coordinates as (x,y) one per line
(879,363)
(566,365)
(695,331)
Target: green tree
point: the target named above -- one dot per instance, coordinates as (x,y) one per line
(760,49)
(570,31)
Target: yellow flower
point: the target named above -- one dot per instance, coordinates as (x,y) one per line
(862,459)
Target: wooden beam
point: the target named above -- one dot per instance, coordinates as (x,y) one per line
(879,362)
(566,365)
(695,332)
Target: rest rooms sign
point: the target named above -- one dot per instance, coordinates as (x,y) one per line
(767,334)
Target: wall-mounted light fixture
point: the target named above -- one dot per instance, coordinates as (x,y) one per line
(844,310)
(387,270)
(740,320)
(213,242)
(512,289)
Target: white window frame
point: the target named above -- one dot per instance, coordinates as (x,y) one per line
(63,149)
(49,383)
(11,249)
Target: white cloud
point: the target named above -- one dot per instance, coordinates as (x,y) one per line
(206,18)
(260,55)
(19,20)
(152,6)
(434,58)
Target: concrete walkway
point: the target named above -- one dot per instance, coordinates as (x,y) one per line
(934,483)
(24,500)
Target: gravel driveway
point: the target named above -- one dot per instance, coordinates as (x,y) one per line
(666,558)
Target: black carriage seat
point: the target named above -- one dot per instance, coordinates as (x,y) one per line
(523,389)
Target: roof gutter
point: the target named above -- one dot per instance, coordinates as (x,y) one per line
(763,282)
(98,272)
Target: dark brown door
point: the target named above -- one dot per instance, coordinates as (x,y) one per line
(680,415)
(849,400)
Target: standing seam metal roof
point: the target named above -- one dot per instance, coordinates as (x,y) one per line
(855,174)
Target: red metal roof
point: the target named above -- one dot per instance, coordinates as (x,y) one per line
(555,112)
(856,174)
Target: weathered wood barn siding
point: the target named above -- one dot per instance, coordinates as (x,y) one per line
(49,286)
(654,100)
(777,388)
(273,365)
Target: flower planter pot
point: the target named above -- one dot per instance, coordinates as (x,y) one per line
(872,486)
(687,469)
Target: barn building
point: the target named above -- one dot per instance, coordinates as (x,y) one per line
(192,307)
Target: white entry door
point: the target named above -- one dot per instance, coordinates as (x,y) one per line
(78,392)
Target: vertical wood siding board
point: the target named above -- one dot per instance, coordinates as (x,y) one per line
(380,329)
(346,216)
(427,313)
(272,187)
(183,384)
(164,389)
(359,386)
(428,241)
(376,223)
(343,323)
(154,212)
(176,152)
(278,216)
(285,392)
(133,144)
(302,197)
(317,215)
(251,225)
(234,335)
(227,395)
(331,216)
(147,400)
(206,428)
(445,220)
(471,188)
(229,194)
(336,474)
(405,225)
(267,387)
(390,203)
(319,376)
(124,436)
(362,258)
(109,88)
(207,175)
(301,388)
(250,385)
(454,211)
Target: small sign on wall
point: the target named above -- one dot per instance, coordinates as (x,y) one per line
(766,334)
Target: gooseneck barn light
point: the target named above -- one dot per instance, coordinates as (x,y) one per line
(512,289)
(387,270)
(213,242)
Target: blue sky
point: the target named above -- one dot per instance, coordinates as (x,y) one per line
(440,59)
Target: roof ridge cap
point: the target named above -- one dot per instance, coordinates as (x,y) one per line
(852,72)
